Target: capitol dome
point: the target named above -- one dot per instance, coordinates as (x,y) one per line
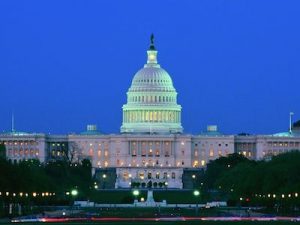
(152,78)
(151,100)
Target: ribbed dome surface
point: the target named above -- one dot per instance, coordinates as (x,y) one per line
(152,78)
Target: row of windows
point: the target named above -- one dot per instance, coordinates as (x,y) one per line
(86,143)
(150,143)
(151,81)
(196,163)
(144,162)
(274,152)
(212,152)
(149,175)
(57,144)
(99,153)
(21,153)
(56,153)
(150,153)
(246,153)
(152,99)
(284,144)
(99,164)
(20,143)
(211,144)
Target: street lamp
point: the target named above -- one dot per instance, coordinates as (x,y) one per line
(196,194)
(104,176)
(136,194)
(74,192)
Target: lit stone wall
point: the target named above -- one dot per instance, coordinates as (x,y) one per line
(267,146)
(207,148)
(163,156)
(24,147)
(246,146)
(153,152)
(154,177)
(97,148)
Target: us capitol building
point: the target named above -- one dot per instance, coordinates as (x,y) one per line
(151,149)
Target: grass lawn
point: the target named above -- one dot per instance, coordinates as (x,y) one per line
(126,196)
(176,197)
(115,197)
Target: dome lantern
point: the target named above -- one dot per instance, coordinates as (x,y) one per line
(152,53)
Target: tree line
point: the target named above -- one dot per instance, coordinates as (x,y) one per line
(238,179)
(31,176)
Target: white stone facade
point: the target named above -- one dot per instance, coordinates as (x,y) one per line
(163,156)
(24,146)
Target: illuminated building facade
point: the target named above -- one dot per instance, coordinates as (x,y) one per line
(151,149)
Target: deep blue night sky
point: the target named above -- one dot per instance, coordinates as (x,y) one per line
(65,64)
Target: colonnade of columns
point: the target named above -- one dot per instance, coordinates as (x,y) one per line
(159,116)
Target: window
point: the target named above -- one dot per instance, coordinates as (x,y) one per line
(125,175)
(141,175)
(149,175)
(220,152)
(134,152)
(157,152)
(157,175)
(167,153)
(150,152)
(173,175)
(165,175)
(196,163)
(203,162)
(91,152)
(211,153)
